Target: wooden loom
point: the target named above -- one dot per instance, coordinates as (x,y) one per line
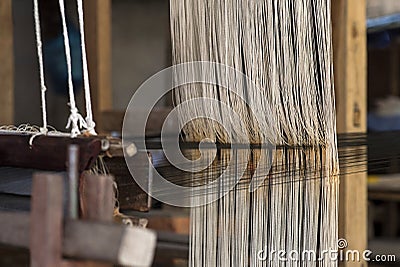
(348,22)
(97,238)
(96,194)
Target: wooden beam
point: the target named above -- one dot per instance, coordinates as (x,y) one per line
(7,64)
(350,68)
(46,220)
(97,203)
(130,195)
(97,192)
(46,152)
(98,41)
(130,246)
(87,240)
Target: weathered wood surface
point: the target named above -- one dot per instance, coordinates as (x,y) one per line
(350,70)
(47,152)
(130,195)
(97,197)
(95,239)
(46,220)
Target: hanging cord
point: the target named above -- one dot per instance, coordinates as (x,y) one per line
(75,120)
(43,129)
(89,114)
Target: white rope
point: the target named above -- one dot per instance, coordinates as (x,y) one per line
(75,120)
(89,114)
(43,129)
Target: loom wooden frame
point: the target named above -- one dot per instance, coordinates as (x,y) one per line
(349,37)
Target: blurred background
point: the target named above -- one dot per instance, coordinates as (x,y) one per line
(140,44)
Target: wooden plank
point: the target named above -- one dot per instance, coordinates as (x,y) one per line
(7,64)
(130,195)
(97,195)
(87,240)
(47,152)
(123,245)
(97,202)
(15,229)
(46,220)
(350,69)
(98,42)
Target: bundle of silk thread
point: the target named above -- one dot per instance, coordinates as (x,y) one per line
(284,48)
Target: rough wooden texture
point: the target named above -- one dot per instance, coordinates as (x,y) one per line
(349,40)
(97,195)
(7,64)
(130,195)
(47,152)
(97,202)
(46,220)
(98,42)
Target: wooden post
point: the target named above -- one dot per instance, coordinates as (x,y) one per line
(97,195)
(7,64)
(46,220)
(350,67)
(98,41)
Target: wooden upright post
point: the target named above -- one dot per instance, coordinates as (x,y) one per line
(97,193)
(350,67)
(6,64)
(98,40)
(97,197)
(46,220)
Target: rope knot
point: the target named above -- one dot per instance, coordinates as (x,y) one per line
(90,126)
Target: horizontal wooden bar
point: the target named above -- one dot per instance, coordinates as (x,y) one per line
(46,152)
(87,240)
